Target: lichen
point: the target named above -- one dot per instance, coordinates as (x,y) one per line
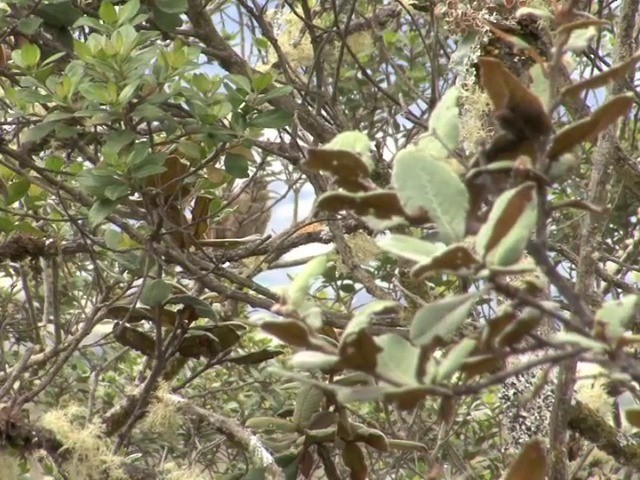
(88,449)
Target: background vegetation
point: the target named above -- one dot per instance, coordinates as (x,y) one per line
(473,165)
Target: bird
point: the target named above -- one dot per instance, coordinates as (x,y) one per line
(251,211)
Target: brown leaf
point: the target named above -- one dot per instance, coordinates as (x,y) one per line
(495,326)
(481,364)
(208,341)
(349,169)
(359,352)
(521,110)
(133,338)
(199,216)
(632,416)
(290,332)
(510,214)
(602,79)
(353,458)
(383,204)
(120,312)
(321,420)
(170,182)
(580,205)
(372,437)
(408,398)
(516,331)
(254,358)
(567,28)
(456,258)
(177,225)
(587,128)
(531,463)
(447,410)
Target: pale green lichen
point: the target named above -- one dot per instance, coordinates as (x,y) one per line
(89,451)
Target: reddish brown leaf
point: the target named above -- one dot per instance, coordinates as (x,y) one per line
(383,204)
(447,410)
(199,216)
(170,182)
(510,215)
(510,96)
(481,364)
(603,78)
(133,338)
(457,259)
(360,352)
(518,330)
(587,128)
(531,463)
(353,458)
(350,171)
(567,28)
(290,332)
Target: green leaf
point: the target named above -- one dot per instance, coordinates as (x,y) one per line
(39,131)
(581,38)
(452,362)
(29,25)
(116,141)
(573,338)
(351,141)
(142,171)
(100,210)
(425,184)
(107,13)
(95,92)
(308,402)
(115,191)
(358,349)
(262,81)
(443,123)
(275,93)
(172,6)
(27,56)
(410,247)
(275,118)
(54,163)
(155,292)
(310,360)
(270,423)
(503,238)
(112,238)
(456,258)
(613,317)
(202,308)
(441,318)
(299,288)
(236,165)
(128,11)
(6,224)
(17,190)
(167,22)
(241,82)
(398,359)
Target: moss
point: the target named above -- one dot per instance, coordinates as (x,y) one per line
(608,439)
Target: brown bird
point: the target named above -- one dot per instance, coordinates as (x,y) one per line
(251,211)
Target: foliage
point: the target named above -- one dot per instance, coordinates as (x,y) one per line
(483,217)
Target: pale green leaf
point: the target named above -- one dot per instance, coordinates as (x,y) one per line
(427,185)
(155,293)
(441,318)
